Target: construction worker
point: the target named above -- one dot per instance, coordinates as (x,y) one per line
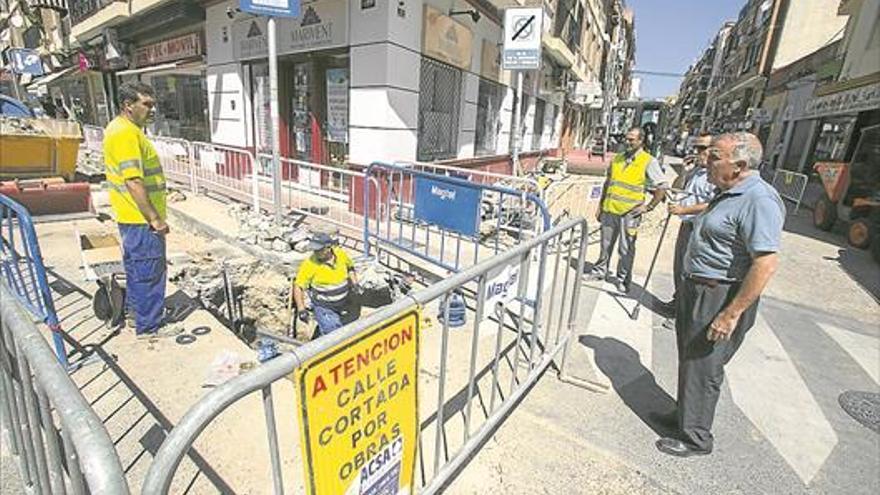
(137,196)
(623,202)
(329,277)
(697,191)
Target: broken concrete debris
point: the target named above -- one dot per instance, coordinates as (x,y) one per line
(260,229)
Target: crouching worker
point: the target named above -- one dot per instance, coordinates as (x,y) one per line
(329,277)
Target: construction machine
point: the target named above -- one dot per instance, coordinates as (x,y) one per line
(852,193)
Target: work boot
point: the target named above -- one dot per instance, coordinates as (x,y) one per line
(622,287)
(165,331)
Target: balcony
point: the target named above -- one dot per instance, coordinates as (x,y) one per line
(88,17)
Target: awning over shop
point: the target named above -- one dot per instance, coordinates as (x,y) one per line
(43,81)
(181,64)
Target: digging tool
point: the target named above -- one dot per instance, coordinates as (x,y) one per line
(635,311)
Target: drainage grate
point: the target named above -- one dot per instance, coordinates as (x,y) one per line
(864,407)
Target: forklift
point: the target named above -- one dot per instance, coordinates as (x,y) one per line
(852,192)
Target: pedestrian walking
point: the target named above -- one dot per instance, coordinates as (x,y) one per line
(329,277)
(731,257)
(137,197)
(630,175)
(697,191)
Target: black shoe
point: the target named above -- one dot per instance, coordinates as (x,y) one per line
(677,448)
(668,421)
(622,287)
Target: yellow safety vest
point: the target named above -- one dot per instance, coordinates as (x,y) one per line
(128,154)
(328,283)
(626,186)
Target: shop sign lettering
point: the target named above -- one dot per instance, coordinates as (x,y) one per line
(851,101)
(323,24)
(359,411)
(181,47)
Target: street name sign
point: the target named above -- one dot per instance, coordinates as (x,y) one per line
(522,39)
(275,8)
(359,411)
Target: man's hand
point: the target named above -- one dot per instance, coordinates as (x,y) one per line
(599,215)
(675,209)
(159,226)
(640,209)
(722,326)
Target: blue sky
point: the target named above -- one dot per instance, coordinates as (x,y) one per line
(671,34)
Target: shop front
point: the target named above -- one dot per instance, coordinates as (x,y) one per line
(175,68)
(840,112)
(313,82)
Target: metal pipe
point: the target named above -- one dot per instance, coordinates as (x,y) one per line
(441,397)
(56,475)
(475,340)
(27,390)
(272,432)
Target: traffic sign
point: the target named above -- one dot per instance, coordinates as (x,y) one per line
(522,39)
(25,61)
(359,411)
(275,8)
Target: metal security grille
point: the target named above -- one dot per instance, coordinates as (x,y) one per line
(489,102)
(439,101)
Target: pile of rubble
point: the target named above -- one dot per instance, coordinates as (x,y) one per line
(19,126)
(89,162)
(260,229)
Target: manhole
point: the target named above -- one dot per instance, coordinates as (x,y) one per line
(864,407)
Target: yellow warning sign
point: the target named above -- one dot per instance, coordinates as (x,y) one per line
(359,412)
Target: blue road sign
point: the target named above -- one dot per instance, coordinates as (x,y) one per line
(275,8)
(25,61)
(451,206)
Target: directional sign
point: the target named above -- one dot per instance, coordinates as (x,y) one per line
(522,39)
(275,8)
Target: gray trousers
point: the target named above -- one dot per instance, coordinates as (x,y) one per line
(701,361)
(622,230)
(681,246)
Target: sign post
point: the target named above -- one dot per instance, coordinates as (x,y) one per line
(522,51)
(359,411)
(273,8)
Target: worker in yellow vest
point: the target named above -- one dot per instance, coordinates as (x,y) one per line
(631,174)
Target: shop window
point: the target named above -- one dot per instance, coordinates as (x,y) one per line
(539,124)
(489,101)
(182,106)
(439,103)
(834,135)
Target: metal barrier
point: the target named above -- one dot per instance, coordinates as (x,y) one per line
(228,171)
(323,192)
(175,155)
(93,138)
(476,176)
(60,444)
(522,337)
(389,218)
(23,270)
(791,186)
(573,198)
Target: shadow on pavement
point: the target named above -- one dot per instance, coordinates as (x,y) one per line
(633,382)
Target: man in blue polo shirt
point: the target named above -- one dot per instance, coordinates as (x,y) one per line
(729,261)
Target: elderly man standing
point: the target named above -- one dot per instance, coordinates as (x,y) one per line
(623,202)
(137,196)
(730,259)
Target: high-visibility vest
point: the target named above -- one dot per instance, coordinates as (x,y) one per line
(128,154)
(626,186)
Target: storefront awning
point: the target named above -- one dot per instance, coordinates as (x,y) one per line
(180,64)
(51,77)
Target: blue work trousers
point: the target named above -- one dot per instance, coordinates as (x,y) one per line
(332,318)
(143,254)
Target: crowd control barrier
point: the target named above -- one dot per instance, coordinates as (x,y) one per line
(59,443)
(23,270)
(508,337)
(791,186)
(447,221)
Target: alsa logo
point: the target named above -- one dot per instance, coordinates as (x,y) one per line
(444,194)
(502,288)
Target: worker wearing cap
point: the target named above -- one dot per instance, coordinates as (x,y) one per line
(137,197)
(329,277)
(696,194)
(631,174)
